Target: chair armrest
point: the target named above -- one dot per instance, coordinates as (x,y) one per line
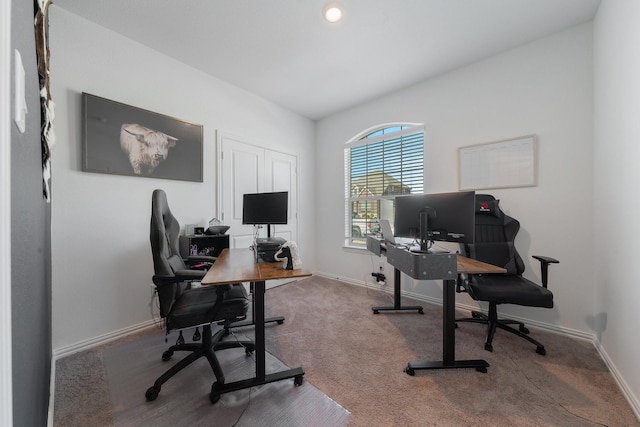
(200,258)
(199,262)
(189,275)
(180,276)
(544,266)
(164,280)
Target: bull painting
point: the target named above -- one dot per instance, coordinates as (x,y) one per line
(145,147)
(124,140)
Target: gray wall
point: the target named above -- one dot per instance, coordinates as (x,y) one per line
(30,235)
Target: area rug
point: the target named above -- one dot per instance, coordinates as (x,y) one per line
(132,367)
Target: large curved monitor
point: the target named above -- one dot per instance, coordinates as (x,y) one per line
(447,217)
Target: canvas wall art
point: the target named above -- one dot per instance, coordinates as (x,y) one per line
(125,140)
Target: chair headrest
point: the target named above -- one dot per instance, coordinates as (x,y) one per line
(486,206)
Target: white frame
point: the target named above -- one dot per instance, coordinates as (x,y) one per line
(6,387)
(507,163)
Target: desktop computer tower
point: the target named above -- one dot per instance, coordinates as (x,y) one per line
(266,247)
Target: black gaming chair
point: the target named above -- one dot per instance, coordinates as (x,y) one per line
(182,306)
(494,244)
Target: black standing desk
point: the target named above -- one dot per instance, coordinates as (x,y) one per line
(379,248)
(239,265)
(445,267)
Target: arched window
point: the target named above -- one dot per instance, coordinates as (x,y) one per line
(379,164)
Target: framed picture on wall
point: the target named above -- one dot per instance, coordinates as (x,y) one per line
(500,164)
(124,140)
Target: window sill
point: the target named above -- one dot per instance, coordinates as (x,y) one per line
(355,249)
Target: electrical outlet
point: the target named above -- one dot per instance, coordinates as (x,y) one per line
(380,277)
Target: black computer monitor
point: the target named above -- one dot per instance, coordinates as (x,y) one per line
(447,217)
(265,209)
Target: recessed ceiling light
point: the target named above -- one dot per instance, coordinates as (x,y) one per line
(332,12)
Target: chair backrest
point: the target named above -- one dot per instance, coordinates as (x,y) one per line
(164,234)
(495,233)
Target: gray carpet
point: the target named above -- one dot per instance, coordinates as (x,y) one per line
(357,360)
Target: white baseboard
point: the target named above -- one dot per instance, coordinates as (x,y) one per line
(111,336)
(101,339)
(626,391)
(86,345)
(52,393)
(572,333)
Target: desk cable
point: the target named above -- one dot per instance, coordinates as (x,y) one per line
(154,308)
(231,332)
(381,284)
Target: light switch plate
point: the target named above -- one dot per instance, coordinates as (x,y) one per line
(20,101)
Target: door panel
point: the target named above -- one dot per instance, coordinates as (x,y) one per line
(240,171)
(280,173)
(248,168)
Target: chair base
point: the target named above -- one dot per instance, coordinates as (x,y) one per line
(492,322)
(279,320)
(210,344)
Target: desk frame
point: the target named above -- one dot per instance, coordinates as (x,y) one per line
(379,248)
(434,267)
(397,305)
(464,266)
(239,265)
(448,338)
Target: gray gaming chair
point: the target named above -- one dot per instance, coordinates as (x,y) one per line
(495,233)
(184,307)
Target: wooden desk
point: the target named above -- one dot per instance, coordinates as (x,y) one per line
(464,266)
(472,266)
(239,265)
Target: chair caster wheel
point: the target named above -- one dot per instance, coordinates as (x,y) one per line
(482,369)
(280,322)
(476,315)
(376,312)
(214,396)
(523,329)
(488,347)
(249,350)
(297,380)
(166,356)
(409,371)
(456,325)
(152,393)
(541,350)
(421,311)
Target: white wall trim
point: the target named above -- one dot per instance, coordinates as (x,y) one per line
(570,333)
(6,384)
(52,392)
(626,390)
(87,344)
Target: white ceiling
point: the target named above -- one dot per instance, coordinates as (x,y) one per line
(284,51)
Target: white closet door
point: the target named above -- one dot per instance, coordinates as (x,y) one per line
(247,168)
(281,172)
